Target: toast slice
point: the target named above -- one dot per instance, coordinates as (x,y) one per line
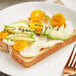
(44,52)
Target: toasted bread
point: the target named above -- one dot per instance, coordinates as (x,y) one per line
(44,52)
(3,47)
(28,62)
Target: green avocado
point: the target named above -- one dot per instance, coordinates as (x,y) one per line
(19,27)
(61,34)
(58,33)
(15,37)
(43,30)
(47,31)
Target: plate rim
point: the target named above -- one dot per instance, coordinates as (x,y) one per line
(38,2)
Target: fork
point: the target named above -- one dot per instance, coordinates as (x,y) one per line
(70,67)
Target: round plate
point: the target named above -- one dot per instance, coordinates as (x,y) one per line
(70,4)
(50,66)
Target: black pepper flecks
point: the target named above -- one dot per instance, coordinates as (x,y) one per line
(6,30)
(37,34)
(19,29)
(23,30)
(29,30)
(49,27)
(33,31)
(57,29)
(29,25)
(39,25)
(46,27)
(26,30)
(36,24)
(13,28)
(41,29)
(13,34)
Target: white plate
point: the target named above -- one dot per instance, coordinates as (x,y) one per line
(50,66)
(70,4)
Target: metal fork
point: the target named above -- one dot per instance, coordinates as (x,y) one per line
(70,67)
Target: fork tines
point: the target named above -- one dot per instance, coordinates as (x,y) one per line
(70,67)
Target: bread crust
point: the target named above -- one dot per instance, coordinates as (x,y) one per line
(3,47)
(48,51)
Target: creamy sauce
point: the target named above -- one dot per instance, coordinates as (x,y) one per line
(34,49)
(8,42)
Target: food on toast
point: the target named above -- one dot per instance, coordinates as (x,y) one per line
(30,41)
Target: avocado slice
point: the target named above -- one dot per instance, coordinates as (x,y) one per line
(63,33)
(47,31)
(15,37)
(43,30)
(20,32)
(18,27)
(19,35)
(59,33)
(21,38)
